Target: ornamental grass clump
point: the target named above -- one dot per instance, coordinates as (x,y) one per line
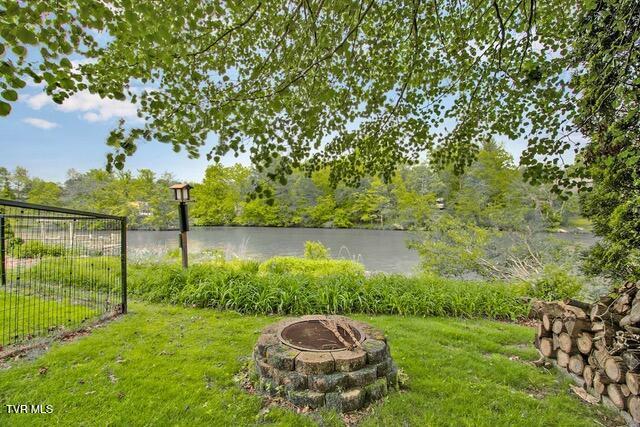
(297,286)
(266,292)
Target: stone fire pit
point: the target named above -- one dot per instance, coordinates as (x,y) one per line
(304,361)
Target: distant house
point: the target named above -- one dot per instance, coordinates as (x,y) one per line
(142,207)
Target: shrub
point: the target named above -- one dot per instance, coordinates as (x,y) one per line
(555,283)
(312,267)
(37,249)
(14,241)
(315,250)
(92,273)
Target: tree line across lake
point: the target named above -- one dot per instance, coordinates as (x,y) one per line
(491,193)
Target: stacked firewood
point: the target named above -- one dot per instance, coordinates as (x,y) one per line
(598,342)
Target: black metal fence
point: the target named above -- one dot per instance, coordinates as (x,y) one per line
(59,268)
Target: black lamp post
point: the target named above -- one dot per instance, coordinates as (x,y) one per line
(181,195)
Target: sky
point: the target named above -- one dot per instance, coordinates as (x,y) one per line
(49,139)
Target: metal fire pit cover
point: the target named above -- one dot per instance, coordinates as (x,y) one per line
(311,335)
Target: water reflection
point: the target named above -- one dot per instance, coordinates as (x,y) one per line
(378,250)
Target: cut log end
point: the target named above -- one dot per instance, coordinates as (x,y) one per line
(633,382)
(615,368)
(563,359)
(625,390)
(587,374)
(546,322)
(566,343)
(614,392)
(557,326)
(585,342)
(546,347)
(633,405)
(576,364)
(600,382)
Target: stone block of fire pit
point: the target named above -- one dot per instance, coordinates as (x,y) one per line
(332,361)
(282,357)
(313,362)
(347,361)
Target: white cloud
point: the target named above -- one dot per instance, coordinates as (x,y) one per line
(95,109)
(40,123)
(38,101)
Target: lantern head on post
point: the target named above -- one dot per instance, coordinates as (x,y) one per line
(440,203)
(181,192)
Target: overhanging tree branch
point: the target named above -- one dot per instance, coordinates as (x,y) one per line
(228,31)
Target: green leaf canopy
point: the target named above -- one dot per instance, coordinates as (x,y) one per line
(361,86)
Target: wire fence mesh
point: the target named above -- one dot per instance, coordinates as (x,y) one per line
(59,269)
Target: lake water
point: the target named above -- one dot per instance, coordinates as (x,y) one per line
(378,250)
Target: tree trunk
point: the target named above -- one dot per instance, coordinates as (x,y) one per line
(597,326)
(556,342)
(591,359)
(601,312)
(632,317)
(583,305)
(603,339)
(600,356)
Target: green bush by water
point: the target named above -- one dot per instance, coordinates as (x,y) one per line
(315,250)
(554,284)
(37,249)
(312,267)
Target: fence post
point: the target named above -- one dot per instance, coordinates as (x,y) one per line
(3,273)
(123,262)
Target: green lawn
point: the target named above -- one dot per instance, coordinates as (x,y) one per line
(166,365)
(22,314)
